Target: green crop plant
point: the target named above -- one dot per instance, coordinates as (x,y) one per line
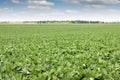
(59,51)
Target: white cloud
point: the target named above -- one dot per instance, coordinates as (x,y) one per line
(94,6)
(71,11)
(35,4)
(15,1)
(87,12)
(31,7)
(39,4)
(2,10)
(93,1)
(72,1)
(108,15)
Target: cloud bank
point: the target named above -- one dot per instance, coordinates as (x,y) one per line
(103,2)
(29,10)
(39,4)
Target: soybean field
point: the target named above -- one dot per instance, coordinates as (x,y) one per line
(59,51)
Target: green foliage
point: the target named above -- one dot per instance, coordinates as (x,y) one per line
(59,52)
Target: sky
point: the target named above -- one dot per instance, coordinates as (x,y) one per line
(40,10)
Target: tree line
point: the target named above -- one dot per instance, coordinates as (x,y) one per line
(55,21)
(76,21)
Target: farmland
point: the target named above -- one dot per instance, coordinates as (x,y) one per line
(59,51)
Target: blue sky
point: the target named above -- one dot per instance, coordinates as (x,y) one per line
(34,10)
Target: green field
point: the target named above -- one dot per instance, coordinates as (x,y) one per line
(59,51)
